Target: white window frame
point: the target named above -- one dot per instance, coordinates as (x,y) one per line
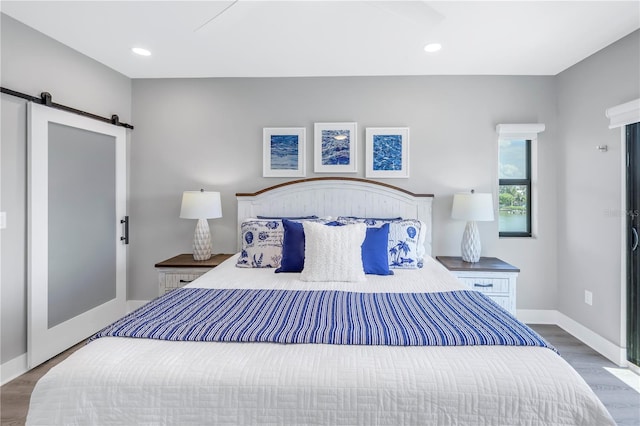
(518,132)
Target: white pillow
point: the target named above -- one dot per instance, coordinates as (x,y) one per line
(333,253)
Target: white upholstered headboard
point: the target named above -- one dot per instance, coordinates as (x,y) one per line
(336,196)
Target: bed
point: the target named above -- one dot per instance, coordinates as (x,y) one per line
(345,380)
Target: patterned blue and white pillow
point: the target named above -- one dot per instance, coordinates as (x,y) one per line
(261,244)
(406,240)
(406,244)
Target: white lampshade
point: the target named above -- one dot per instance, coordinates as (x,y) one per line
(472,206)
(200,205)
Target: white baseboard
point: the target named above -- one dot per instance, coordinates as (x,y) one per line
(609,350)
(613,352)
(13,368)
(538,316)
(18,365)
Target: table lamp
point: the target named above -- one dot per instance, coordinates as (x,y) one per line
(472,207)
(201,205)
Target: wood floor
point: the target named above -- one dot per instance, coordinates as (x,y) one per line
(621,400)
(15,395)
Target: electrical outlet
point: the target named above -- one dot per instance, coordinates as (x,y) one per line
(3,220)
(588,297)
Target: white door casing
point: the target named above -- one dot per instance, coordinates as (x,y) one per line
(76,199)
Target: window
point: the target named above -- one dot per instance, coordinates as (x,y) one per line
(517,178)
(514,212)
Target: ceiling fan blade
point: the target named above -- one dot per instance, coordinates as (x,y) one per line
(210,20)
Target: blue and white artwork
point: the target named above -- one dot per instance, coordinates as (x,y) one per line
(284,152)
(336,146)
(387,152)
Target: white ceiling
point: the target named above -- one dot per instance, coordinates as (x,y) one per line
(332,38)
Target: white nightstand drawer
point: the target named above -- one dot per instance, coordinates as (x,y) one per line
(180,270)
(490,276)
(503,301)
(171,280)
(487,285)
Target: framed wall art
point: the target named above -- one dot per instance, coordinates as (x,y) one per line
(387,152)
(283,151)
(334,148)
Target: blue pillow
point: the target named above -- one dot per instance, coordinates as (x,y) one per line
(286,217)
(387,219)
(375,258)
(292,247)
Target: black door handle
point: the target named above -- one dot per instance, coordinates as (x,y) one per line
(634,246)
(125,222)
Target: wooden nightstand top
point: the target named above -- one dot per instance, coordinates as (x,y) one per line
(186,261)
(486,264)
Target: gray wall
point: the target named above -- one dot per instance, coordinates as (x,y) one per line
(589,190)
(193,133)
(33,63)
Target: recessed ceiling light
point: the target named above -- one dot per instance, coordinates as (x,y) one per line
(140,51)
(432,47)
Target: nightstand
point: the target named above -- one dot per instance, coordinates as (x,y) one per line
(182,269)
(491,276)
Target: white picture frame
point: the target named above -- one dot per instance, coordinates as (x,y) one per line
(387,152)
(335,148)
(283,151)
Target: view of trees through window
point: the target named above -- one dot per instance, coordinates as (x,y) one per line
(515,187)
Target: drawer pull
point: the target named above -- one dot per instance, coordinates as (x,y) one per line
(482,285)
(186,281)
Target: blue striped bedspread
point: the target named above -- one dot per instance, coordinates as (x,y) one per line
(452,318)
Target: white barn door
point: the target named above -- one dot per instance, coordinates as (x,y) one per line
(76,201)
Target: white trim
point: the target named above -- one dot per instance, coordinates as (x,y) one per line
(604,347)
(519,131)
(44,342)
(538,316)
(621,115)
(623,238)
(13,368)
(529,131)
(613,352)
(18,365)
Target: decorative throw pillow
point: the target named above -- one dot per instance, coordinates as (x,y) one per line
(406,240)
(406,244)
(375,259)
(292,247)
(261,244)
(287,217)
(370,221)
(333,253)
